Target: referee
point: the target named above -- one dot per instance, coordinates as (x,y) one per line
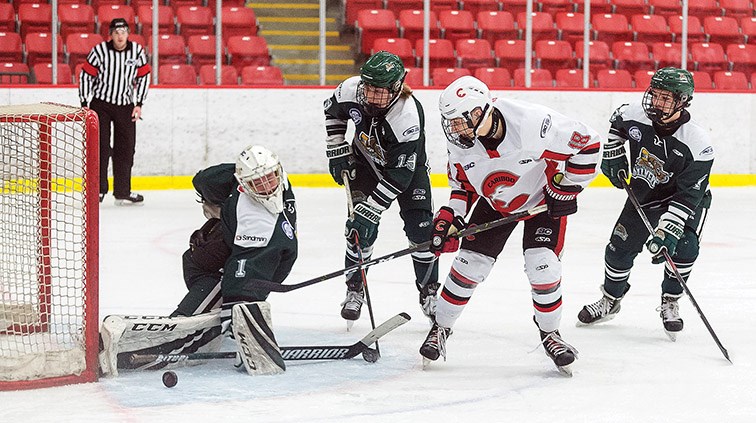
(116,78)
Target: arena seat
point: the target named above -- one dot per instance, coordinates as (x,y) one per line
(665,7)
(695,30)
(702,80)
(11,47)
(614,78)
(725,80)
(543,26)
(632,56)
(261,75)
(554,54)
(477,6)
(171,49)
(202,51)
(401,47)
(704,8)
(76,18)
(352,7)
(238,20)
(474,53)
(14,73)
(442,77)
(610,27)
(748,27)
(39,48)
(194,20)
(629,7)
(494,77)
(599,55)
(43,73)
(510,54)
(229,75)
(165,20)
(667,54)
(539,78)
(441,53)
(572,78)
(7,18)
(106,13)
(552,7)
(414,76)
(571,26)
(742,57)
(247,51)
(34,17)
(373,24)
(79,45)
(496,25)
(650,29)
(708,57)
(456,24)
(177,74)
(411,25)
(737,8)
(722,30)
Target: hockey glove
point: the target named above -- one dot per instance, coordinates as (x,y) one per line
(340,159)
(441,241)
(561,200)
(665,237)
(364,222)
(614,162)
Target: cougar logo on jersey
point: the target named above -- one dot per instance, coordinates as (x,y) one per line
(621,232)
(650,169)
(545,126)
(288,230)
(494,188)
(355,115)
(634,133)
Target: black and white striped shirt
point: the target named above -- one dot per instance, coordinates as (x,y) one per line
(117,77)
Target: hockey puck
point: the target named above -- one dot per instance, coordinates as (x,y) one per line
(370,355)
(170,379)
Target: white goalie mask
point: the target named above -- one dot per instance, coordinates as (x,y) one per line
(261,177)
(457,103)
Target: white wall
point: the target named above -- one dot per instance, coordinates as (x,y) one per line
(185,130)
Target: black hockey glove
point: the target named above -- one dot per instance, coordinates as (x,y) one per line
(614,162)
(666,235)
(441,242)
(364,222)
(561,200)
(340,159)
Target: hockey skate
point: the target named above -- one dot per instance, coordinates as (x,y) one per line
(435,344)
(428,300)
(352,306)
(602,310)
(562,353)
(669,311)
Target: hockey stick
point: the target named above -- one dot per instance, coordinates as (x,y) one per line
(332,352)
(470,230)
(670,263)
(360,260)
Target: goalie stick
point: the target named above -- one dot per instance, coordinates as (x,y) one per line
(471,230)
(633,199)
(318,352)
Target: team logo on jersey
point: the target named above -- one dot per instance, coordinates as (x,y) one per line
(355,115)
(327,104)
(634,133)
(545,126)
(130,62)
(620,231)
(650,169)
(494,186)
(288,230)
(578,140)
(372,147)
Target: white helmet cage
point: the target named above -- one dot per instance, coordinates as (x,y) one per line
(260,175)
(457,102)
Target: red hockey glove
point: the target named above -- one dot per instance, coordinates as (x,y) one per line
(441,241)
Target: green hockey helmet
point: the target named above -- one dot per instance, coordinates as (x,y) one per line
(670,91)
(381,82)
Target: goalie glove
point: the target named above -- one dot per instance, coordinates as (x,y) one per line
(614,162)
(665,237)
(561,200)
(364,222)
(339,160)
(443,222)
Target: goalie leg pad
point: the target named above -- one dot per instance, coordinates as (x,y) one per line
(253,332)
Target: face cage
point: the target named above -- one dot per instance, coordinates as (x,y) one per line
(460,140)
(370,108)
(262,187)
(656,114)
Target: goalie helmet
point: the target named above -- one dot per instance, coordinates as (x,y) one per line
(261,177)
(457,103)
(381,80)
(670,91)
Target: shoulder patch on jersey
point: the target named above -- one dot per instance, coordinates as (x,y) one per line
(327,104)
(288,230)
(356,115)
(578,140)
(411,130)
(545,126)
(706,151)
(635,133)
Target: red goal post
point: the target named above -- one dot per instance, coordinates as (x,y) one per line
(49,212)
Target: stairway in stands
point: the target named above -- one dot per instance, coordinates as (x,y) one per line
(290,28)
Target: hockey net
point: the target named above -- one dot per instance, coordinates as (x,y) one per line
(49,177)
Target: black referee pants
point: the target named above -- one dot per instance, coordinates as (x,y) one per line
(122,151)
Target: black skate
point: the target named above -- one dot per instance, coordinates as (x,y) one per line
(602,310)
(561,352)
(669,310)
(352,306)
(428,300)
(435,344)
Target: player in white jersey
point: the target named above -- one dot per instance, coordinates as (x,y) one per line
(510,156)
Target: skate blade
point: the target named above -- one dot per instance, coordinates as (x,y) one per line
(672,335)
(349,324)
(565,370)
(601,320)
(426,363)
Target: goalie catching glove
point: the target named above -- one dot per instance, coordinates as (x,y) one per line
(665,237)
(364,222)
(441,239)
(614,165)
(339,160)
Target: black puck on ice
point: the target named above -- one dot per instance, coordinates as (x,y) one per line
(170,379)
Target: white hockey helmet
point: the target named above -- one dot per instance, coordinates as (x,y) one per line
(456,104)
(261,177)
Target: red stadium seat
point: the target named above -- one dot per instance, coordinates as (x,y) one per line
(702,80)
(76,18)
(543,26)
(176,4)
(737,8)
(39,48)
(456,24)
(352,7)
(194,20)
(442,77)
(514,6)
(14,73)
(742,57)
(373,24)
(753,81)
(229,75)
(440,53)
(730,81)
(11,47)
(695,30)
(571,26)
(665,7)
(554,54)
(439,5)
(650,29)
(43,73)
(667,54)
(708,57)
(402,47)
(474,53)
(97,3)
(572,78)
(478,6)
(539,78)
(552,7)
(106,13)
(177,74)
(79,45)
(248,51)
(238,21)
(704,8)
(494,77)
(171,49)
(610,27)
(722,30)
(629,7)
(496,25)
(598,6)
(510,54)
(34,17)
(261,75)
(165,20)
(7,18)
(632,56)
(411,25)
(599,55)
(748,26)
(642,78)
(414,77)
(202,51)
(611,78)
(399,5)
